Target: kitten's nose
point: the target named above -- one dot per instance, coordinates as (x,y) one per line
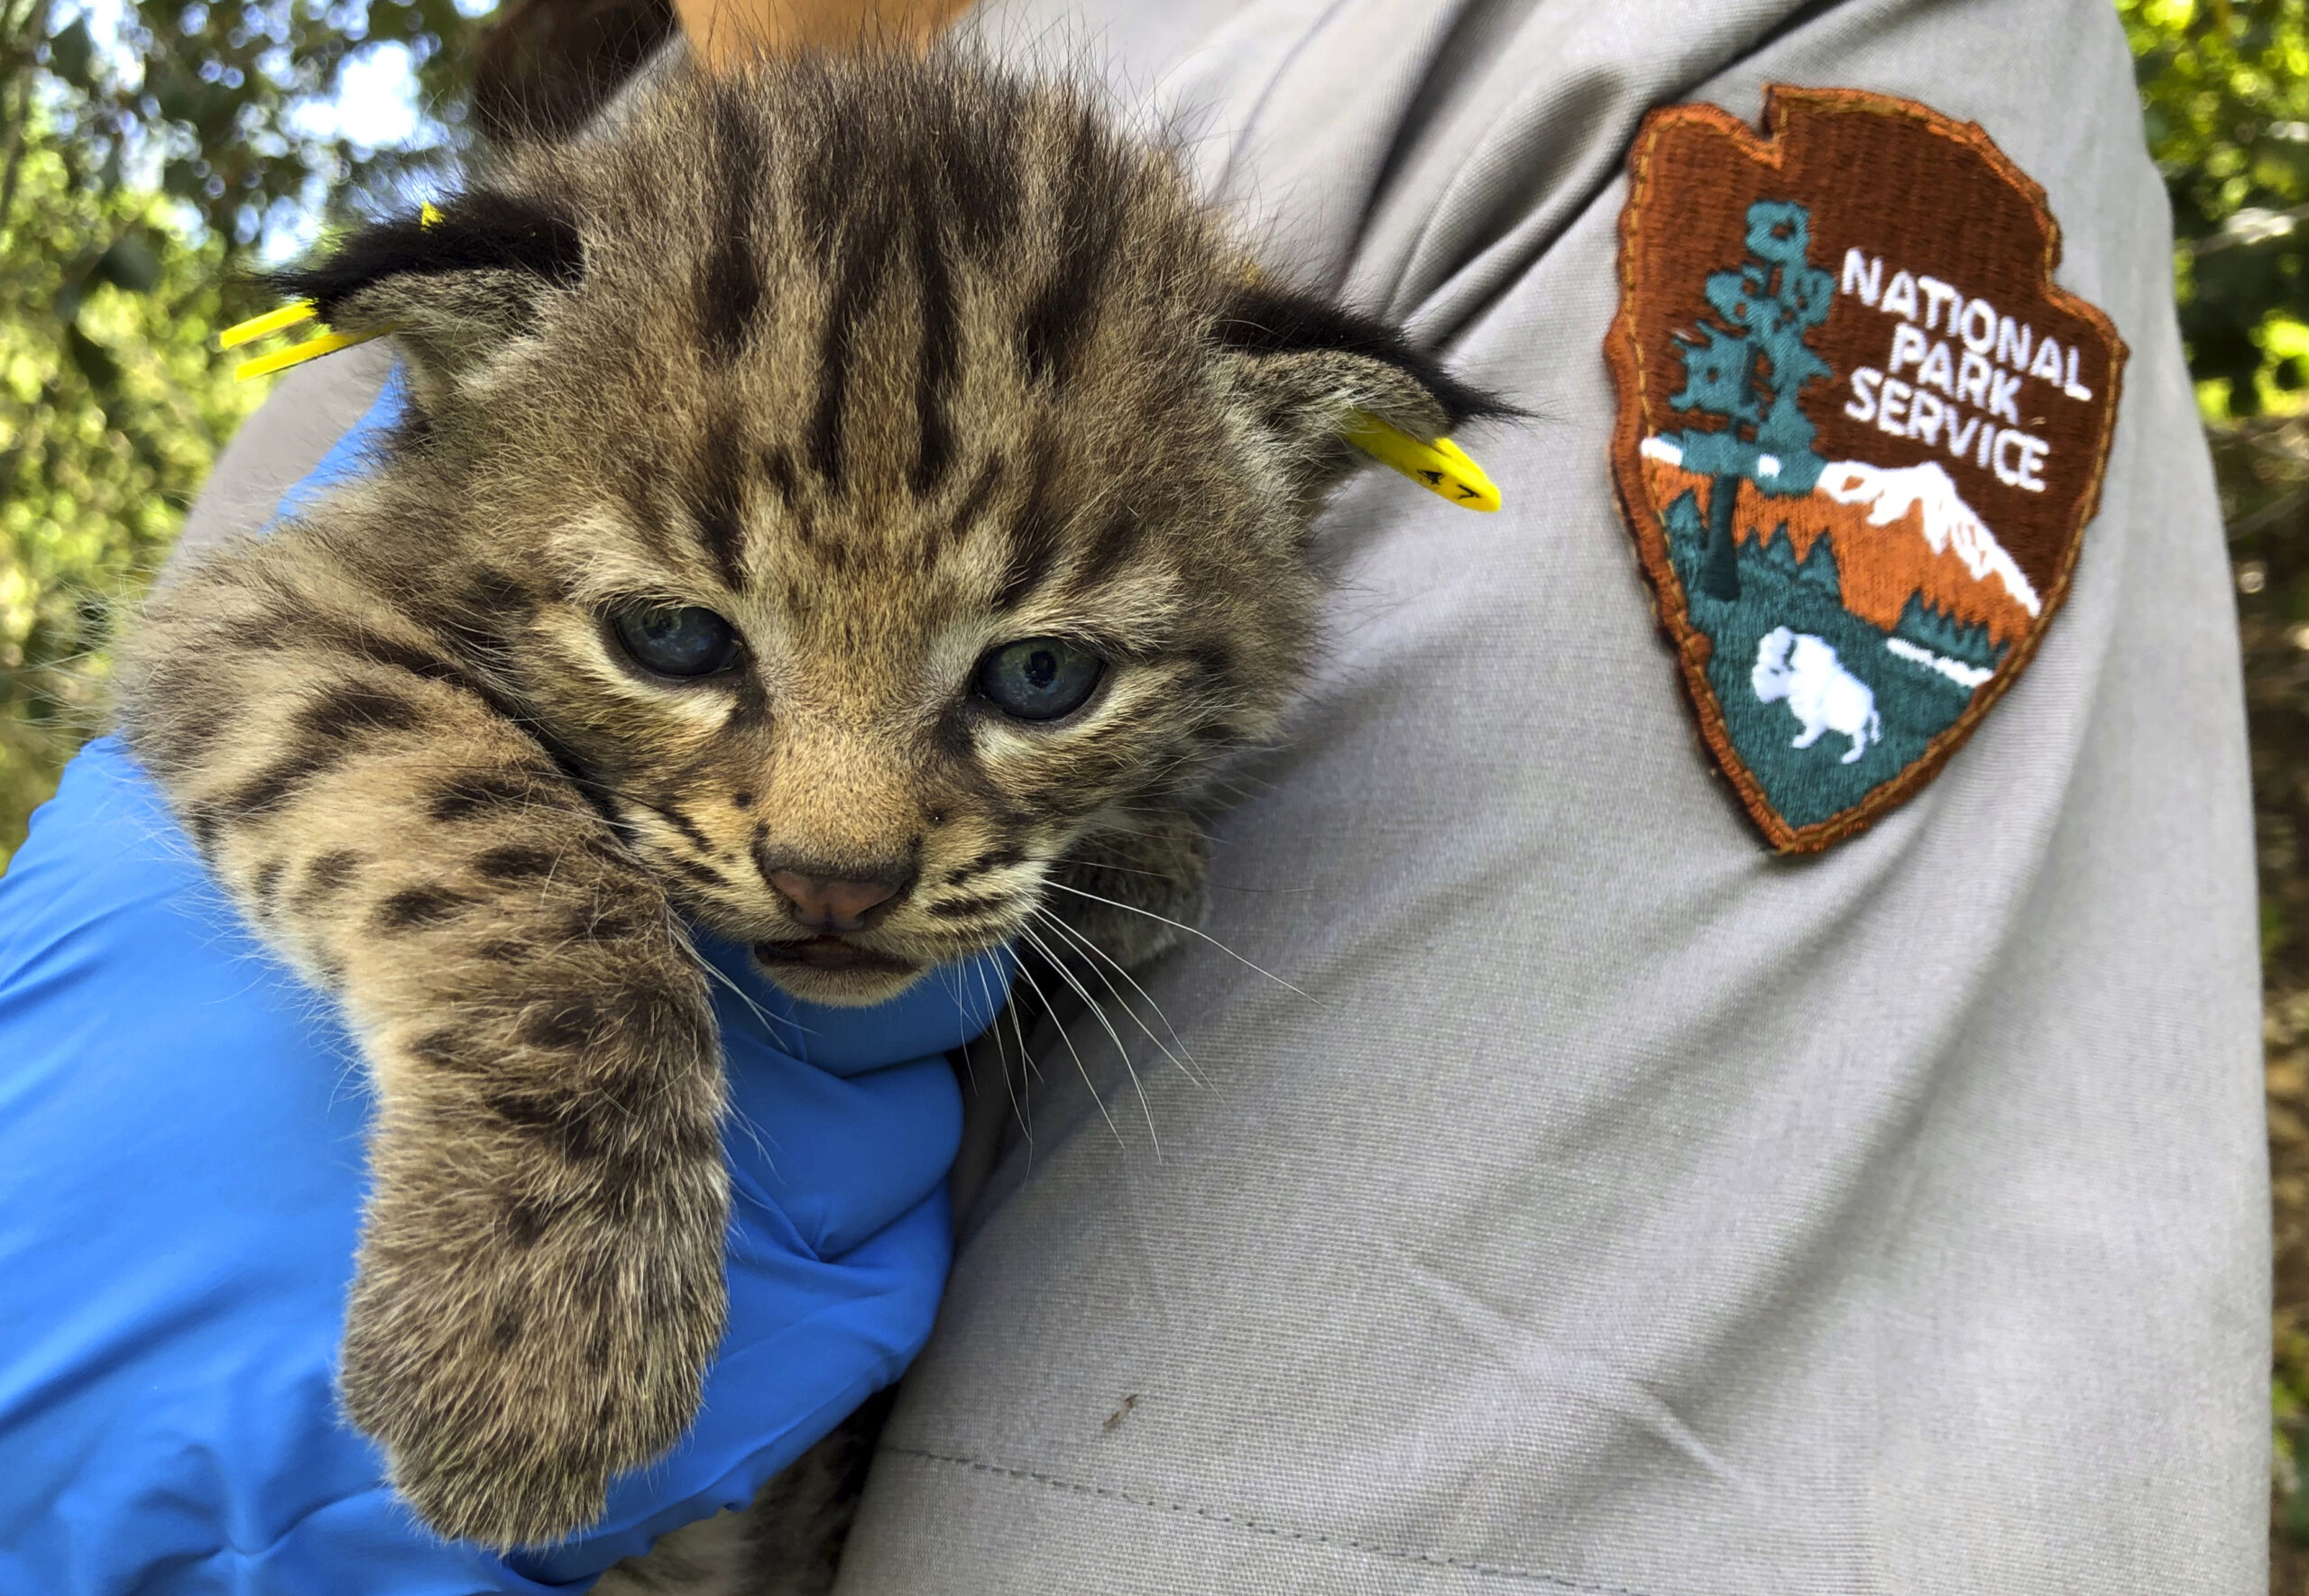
(828,905)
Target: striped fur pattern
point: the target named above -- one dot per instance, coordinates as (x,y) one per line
(887,363)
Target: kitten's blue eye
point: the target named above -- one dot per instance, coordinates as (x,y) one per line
(1039,678)
(670,642)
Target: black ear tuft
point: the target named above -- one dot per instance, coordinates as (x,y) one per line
(1264,320)
(477,232)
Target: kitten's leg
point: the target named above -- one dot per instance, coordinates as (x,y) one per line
(787,1542)
(540,1272)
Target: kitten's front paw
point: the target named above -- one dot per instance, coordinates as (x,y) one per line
(511,1386)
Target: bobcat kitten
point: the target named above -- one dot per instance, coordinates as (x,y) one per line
(835,502)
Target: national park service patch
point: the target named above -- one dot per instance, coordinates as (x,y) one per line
(1860,435)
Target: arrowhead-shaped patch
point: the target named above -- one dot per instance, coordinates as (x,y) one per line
(1861,432)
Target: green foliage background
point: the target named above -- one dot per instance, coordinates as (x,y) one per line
(149,149)
(112,409)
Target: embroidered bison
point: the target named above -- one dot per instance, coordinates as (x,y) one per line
(1804,670)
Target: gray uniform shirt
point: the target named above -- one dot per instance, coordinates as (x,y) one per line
(1589,1200)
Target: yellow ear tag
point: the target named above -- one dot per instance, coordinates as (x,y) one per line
(288,315)
(265,326)
(297,354)
(1440,467)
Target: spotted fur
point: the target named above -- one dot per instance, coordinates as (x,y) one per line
(888,363)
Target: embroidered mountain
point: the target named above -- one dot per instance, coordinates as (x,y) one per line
(1865,614)
(1900,535)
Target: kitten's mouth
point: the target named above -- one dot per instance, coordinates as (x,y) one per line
(830,953)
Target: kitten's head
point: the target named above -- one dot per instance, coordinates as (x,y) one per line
(873,479)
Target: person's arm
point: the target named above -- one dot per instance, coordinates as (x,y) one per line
(1607,1204)
(727,30)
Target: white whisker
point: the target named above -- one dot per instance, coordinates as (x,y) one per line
(1187,1066)
(961,1012)
(1165,877)
(1069,1041)
(1190,930)
(754,1135)
(1113,1035)
(769,1022)
(1022,1096)
(1025,1059)
(1001,1053)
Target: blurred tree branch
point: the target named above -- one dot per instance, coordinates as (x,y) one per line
(19,81)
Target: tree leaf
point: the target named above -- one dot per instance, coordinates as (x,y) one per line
(72,55)
(95,362)
(130,263)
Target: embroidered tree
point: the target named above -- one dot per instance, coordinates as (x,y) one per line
(1746,369)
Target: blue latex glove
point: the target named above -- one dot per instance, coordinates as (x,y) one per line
(180,1178)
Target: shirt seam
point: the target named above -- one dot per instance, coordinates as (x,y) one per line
(1270,1528)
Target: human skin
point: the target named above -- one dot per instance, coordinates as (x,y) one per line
(726,31)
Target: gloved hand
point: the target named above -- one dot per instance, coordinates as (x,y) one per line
(181,1179)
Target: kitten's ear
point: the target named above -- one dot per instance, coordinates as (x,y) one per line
(454,286)
(1302,370)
